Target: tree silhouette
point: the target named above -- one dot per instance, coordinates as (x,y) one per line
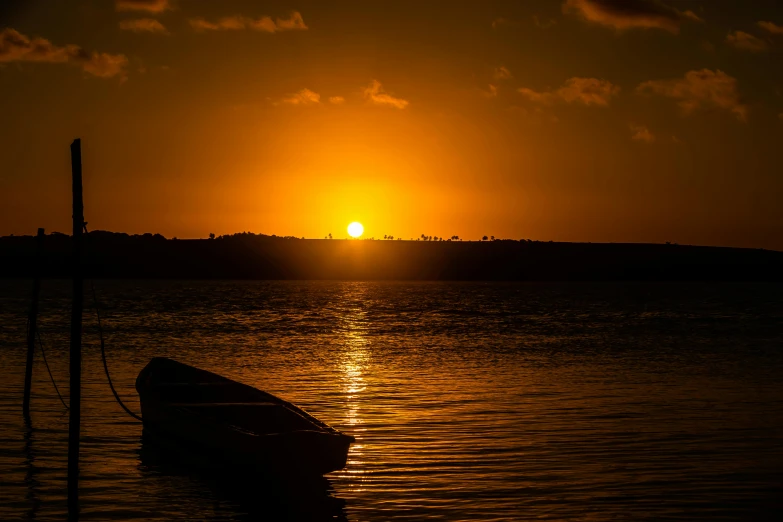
(211,235)
(492,238)
(330,235)
(484,238)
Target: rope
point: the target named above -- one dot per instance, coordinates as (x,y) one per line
(51,377)
(40,343)
(103,350)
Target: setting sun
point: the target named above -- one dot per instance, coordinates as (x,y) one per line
(355,229)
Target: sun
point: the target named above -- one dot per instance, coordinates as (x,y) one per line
(355,229)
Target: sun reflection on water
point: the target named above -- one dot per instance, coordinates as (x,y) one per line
(355,358)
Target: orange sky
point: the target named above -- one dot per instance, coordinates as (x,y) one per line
(568,120)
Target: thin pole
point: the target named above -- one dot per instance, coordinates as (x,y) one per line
(76,335)
(32,323)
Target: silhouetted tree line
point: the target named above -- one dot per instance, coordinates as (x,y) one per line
(246,255)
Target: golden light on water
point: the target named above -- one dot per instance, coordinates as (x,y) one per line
(355,360)
(355,229)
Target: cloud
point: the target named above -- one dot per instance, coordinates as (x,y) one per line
(375,93)
(227,23)
(264,24)
(748,42)
(771,27)
(150,6)
(700,88)
(641,133)
(293,22)
(336,100)
(630,14)
(545,98)
(491,92)
(589,91)
(143,25)
(16,47)
(303,97)
(502,73)
(104,65)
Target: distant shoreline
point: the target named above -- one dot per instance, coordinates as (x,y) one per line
(249,256)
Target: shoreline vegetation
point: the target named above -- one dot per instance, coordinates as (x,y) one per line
(256,256)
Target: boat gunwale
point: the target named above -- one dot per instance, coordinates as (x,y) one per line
(145,391)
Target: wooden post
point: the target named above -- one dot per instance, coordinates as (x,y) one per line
(32,324)
(76,335)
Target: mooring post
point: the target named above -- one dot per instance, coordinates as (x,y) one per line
(32,324)
(76,334)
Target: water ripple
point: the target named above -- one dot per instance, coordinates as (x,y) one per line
(468,401)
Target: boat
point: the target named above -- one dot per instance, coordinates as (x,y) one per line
(232,425)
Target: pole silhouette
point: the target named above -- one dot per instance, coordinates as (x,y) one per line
(76,334)
(32,325)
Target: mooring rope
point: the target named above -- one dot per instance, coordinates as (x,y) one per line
(103,356)
(43,353)
(103,349)
(46,363)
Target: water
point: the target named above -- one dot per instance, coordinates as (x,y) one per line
(468,401)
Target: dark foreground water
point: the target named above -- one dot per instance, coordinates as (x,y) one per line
(468,401)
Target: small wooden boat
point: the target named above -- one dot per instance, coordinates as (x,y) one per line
(234,425)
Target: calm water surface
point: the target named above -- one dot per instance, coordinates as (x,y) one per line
(468,401)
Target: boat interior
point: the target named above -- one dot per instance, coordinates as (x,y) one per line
(256,417)
(224,401)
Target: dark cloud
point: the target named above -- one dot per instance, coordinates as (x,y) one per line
(502,73)
(771,27)
(630,14)
(642,133)
(588,91)
(16,47)
(747,42)
(265,24)
(150,6)
(143,25)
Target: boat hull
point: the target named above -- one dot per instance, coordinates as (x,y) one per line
(226,424)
